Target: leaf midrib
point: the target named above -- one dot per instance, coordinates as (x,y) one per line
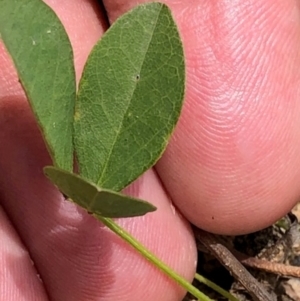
(122,120)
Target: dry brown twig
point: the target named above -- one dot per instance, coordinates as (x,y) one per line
(212,243)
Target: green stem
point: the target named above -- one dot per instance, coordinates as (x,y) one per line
(215,287)
(109,223)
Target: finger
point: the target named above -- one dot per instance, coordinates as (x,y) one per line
(232,166)
(73,253)
(18,277)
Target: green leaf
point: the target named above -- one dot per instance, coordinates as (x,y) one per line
(95,200)
(42,54)
(130,97)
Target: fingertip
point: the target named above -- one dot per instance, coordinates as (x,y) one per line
(232,165)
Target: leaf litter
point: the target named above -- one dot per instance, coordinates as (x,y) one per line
(271,256)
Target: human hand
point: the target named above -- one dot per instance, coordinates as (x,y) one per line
(231,166)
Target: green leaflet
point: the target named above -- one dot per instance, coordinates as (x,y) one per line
(42,54)
(130,97)
(95,200)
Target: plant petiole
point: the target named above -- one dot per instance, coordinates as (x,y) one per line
(109,223)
